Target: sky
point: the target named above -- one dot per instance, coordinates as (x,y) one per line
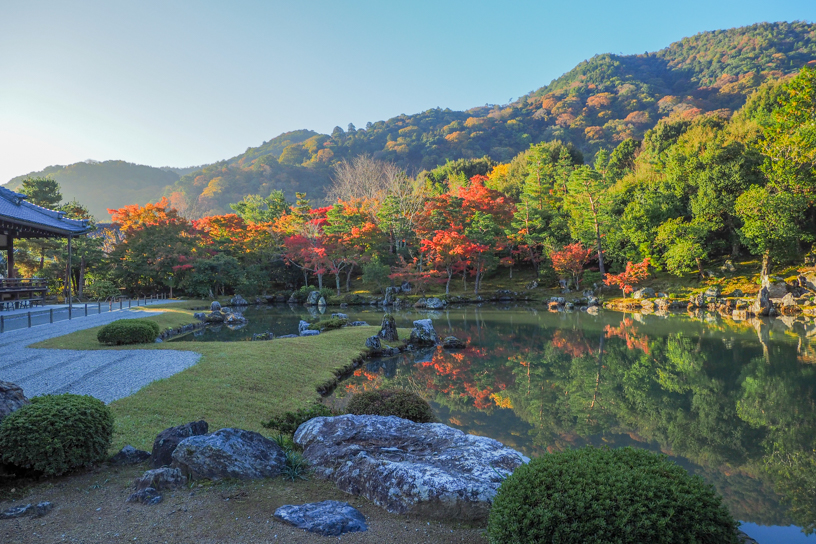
(175,83)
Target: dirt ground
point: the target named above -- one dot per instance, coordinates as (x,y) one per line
(91,508)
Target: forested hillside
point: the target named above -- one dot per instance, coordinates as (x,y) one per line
(600,103)
(102,185)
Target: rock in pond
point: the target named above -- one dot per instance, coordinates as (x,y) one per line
(358,324)
(423,333)
(313,298)
(434,303)
(646,292)
(35,510)
(309,332)
(373,342)
(215,306)
(762,305)
(229,453)
(11,398)
(130,456)
(451,342)
(328,518)
(168,439)
(388,331)
(409,468)
(303,325)
(238,300)
(340,316)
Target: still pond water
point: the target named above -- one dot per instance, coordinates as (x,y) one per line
(732,402)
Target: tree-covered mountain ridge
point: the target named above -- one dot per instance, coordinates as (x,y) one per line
(601,102)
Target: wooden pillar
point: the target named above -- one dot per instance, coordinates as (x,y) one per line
(68,278)
(10,259)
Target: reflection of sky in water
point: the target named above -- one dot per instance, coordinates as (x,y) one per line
(713,394)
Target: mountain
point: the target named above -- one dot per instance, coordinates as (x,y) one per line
(599,103)
(108,184)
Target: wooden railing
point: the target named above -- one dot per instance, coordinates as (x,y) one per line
(23,285)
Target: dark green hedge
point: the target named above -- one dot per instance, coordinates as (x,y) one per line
(128,331)
(396,402)
(57,433)
(605,496)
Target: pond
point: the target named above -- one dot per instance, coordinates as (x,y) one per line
(734,402)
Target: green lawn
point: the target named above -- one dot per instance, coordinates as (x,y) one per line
(235,384)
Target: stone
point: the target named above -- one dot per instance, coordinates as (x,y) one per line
(130,456)
(288,336)
(409,468)
(532,285)
(201,316)
(406,287)
(736,293)
(340,316)
(558,300)
(229,453)
(788,304)
(389,296)
(421,303)
(646,292)
(451,342)
(168,439)
(313,298)
(309,332)
(215,317)
(358,324)
(777,288)
(697,301)
(160,478)
(147,496)
(423,334)
(569,306)
(388,330)
(292,298)
(215,306)
(11,398)
(327,518)
(434,303)
(713,291)
(661,304)
(303,325)
(728,266)
(238,300)
(373,342)
(34,510)
(321,302)
(234,318)
(647,304)
(762,305)
(593,310)
(553,306)
(593,301)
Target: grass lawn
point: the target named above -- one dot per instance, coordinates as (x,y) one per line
(235,384)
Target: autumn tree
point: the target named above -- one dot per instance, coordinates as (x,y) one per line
(626,280)
(571,261)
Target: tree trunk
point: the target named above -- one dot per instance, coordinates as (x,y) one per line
(81,281)
(511,271)
(700,268)
(337,282)
(348,277)
(320,281)
(447,285)
(305,278)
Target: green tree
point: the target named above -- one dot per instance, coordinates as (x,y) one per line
(588,204)
(256,209)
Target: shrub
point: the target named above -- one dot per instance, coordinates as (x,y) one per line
(607,496)
(128,331)
(290,421)
(377,273)
(303,293)
(392,402)
(57,433)
(328,294)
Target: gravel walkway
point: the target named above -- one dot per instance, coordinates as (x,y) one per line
(107,375)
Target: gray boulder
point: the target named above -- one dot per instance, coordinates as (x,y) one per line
(389,296)
(303,326)
(358,324)
(713,291)
(234,318)
(313,298)
(388,330)
(201,316)
(130,456)
(215,306)
(406,287)
(646,292)
(593,301)
(647,305)
(238,300)
(215,317)
(434,303)
(558,300)
(11,398)
(697,301)
(423,333)
(777,288)
(762,305)
(728,266)
(160,478)
(327,518)
(309,332)
(34,510)
(736,293)
(263,336)
(321,302)
(168,439)
(373,342)
(148,496)
(229,453)
(409,468)
(292,298)
(340,316)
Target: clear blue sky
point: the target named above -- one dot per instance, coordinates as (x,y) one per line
(184,83)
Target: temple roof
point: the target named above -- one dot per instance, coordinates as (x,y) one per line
(27,220)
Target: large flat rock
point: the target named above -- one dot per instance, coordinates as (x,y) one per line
(429,469)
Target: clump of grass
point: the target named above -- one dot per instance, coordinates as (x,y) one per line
(288,422)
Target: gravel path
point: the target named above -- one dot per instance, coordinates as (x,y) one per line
(107,375)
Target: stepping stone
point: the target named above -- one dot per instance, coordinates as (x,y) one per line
(328,518)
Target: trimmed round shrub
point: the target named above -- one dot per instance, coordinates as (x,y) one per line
(603,496)
(129,331)
(57,433)
(391,402)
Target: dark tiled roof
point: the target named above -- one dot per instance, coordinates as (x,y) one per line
(15,209)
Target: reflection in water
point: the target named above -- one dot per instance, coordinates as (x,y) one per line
(733,402)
